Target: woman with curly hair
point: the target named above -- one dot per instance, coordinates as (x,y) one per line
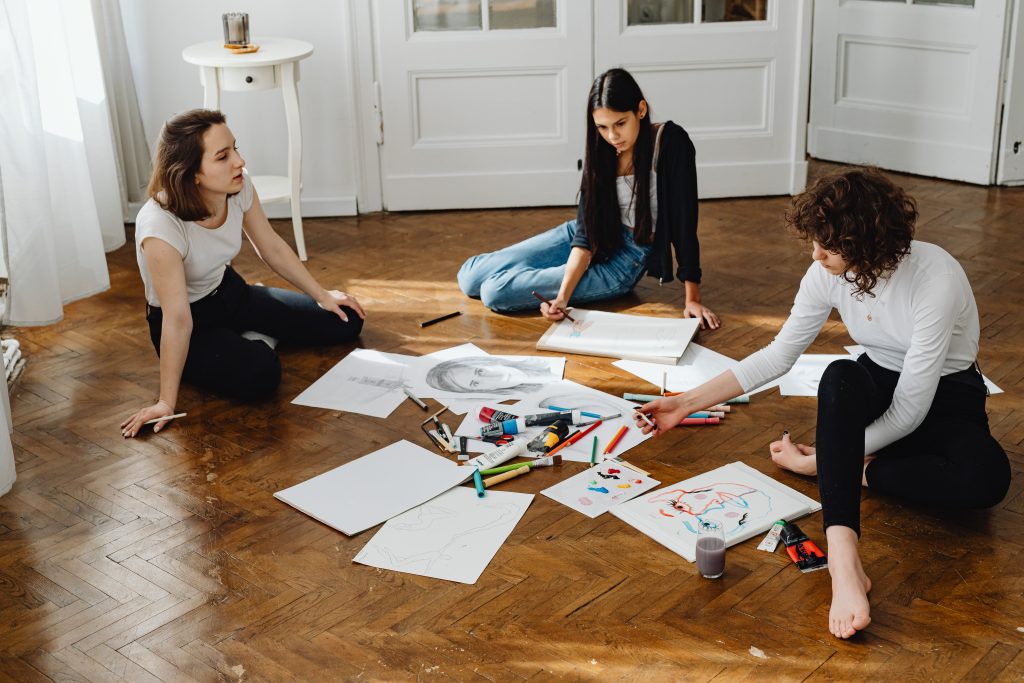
(907,418)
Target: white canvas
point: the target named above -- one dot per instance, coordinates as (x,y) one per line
(453,536)
(697,365)
(619,335)
(596,490)
(374,488)
(365,382)
(736,495)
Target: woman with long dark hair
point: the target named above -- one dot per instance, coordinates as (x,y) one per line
(638,202)
(907,418)
(201,201)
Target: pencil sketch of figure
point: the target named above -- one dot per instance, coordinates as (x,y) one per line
(372,388)
(490,375)
(581,401)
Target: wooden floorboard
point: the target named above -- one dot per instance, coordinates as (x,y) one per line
(166,558)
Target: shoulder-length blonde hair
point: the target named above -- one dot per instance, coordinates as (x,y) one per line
(179,154)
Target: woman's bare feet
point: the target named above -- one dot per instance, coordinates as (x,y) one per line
(850,611)
(794,457)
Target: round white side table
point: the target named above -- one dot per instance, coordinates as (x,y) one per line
(276,65)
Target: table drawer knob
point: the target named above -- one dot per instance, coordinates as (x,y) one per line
(248,79)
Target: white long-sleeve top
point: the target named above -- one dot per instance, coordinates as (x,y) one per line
(923,324)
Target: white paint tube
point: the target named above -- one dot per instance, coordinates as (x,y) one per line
(499,455)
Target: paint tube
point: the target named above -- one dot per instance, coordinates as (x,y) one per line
(488,414)
(520,424)
(499,455)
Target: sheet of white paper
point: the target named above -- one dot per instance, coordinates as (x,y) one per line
(596,490)
(803,378)
(697,365)
(470,376)
(736,495)
(620,335)
(857,349)
(374,488)
(452,537)
(365,382)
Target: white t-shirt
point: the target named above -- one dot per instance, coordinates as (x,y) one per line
(924,325)
(204,251)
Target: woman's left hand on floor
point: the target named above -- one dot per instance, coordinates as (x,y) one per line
(335,300)
(133,424)
(708,319)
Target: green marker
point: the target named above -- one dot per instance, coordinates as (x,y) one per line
(593,452)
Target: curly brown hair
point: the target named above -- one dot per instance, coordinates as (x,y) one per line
(860,215)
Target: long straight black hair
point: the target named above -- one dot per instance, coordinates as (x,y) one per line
(617,90)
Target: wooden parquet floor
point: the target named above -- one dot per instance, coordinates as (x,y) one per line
(166,557)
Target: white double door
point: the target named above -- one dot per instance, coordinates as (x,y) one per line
(484,102)
(909,85)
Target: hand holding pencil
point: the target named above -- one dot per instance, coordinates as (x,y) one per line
(665,413)
(553,310)
(159,415)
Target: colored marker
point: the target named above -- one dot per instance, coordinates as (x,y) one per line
(505,476)
(641,398)
(546,461)
(417,401)
(478,482)
(593,452)
(745,398)
(708,413)
(689,421)
(615,439)
(545,301)
(582,412)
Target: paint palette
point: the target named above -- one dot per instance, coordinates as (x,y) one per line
(598,489)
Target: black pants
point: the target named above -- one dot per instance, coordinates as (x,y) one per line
(221,360)
(950,460)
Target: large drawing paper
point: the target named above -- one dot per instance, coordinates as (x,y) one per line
(452,537)
(805,375)
(618,335)
(596,490)
(473,376)
(736,495)
(374,488)
(365,382)
(697,365)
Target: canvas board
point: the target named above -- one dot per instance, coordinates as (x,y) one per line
(619,335)
(453,536)
(374,488)
(596,490)
(745,501)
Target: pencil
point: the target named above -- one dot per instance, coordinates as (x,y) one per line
(415,400)
(545,301)
(428,323)
(574,438)
(165,417)
(644,417)
(615,439)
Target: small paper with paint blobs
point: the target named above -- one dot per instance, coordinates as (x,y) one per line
(600,488)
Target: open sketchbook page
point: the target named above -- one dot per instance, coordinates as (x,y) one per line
(619,335)
(736,495)
(453,536)
(374,488)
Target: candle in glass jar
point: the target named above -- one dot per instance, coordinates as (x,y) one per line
(236,28)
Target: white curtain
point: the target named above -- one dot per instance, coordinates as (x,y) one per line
(62,202)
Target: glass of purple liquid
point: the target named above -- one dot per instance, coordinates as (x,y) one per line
(710,549)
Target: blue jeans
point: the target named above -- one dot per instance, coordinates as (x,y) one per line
(503,280)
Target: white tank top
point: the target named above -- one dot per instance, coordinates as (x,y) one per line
(624,189)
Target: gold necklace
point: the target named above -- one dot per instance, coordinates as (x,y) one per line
(877,297)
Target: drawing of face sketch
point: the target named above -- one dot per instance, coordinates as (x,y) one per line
(490,375)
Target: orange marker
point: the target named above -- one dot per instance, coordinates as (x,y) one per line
(615,439)
(699,421)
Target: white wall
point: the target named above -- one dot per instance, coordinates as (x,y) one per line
(158,31)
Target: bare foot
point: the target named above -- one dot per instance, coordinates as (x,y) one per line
(850,611)
(793,456)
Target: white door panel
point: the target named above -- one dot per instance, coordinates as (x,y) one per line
(481,117)
(908,87)
(738,88)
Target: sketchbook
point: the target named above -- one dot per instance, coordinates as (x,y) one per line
(374,488)
(618,335)
(736,495)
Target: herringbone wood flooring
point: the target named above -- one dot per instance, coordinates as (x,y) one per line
(166,558)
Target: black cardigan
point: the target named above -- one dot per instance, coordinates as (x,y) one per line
(677,211)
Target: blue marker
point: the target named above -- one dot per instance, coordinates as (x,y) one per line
(478,482)
(583,413)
